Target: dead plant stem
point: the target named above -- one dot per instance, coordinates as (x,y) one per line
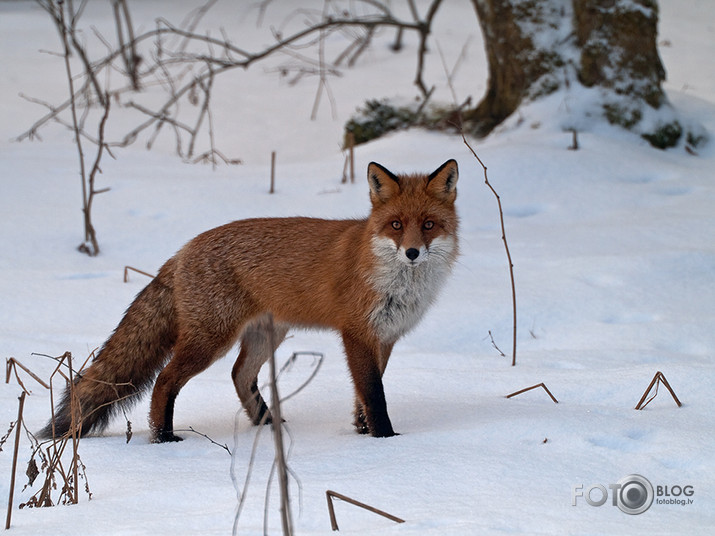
(277,420)
(506,247)
(18,424)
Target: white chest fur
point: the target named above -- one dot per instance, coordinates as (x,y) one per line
(406,291)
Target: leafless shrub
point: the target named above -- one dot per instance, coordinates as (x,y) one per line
(57,460)
(65,18)
(184,64)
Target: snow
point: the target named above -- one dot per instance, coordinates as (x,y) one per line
(614,254)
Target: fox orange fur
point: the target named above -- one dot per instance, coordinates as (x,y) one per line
(371,280)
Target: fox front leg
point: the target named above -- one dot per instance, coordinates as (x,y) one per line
(360,421)
(371,408)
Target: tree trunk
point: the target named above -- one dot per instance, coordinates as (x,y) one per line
(536,47)
(619,52)
(521,41)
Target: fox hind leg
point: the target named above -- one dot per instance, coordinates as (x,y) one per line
(190,358)
(260,339)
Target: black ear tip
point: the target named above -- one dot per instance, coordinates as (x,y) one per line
(452,163)
(450,166)
(375,165)
(377,171)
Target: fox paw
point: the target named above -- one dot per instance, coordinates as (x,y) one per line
(166,436)
(360,423)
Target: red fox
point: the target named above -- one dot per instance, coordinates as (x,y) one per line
(370,279)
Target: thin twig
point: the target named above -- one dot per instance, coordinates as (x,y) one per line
(243,491)
(330,495)
(224,446)
(506,247)
(64,30)
(101,146)
(534,387)
(458,109)
(494,344)
(206,88)
(302,386)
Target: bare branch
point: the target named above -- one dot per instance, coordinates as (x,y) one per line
(232,57)
(424,29)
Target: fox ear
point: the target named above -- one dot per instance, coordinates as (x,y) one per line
(383,183)
(442,183)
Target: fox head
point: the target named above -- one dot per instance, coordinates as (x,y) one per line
(413,216)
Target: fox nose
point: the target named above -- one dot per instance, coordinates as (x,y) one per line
(412,253)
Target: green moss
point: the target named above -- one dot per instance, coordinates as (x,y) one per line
(695,140)
(377,118)
(617,114)
(545,86)
(665,136)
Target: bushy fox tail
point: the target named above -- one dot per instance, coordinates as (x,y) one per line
(126,365)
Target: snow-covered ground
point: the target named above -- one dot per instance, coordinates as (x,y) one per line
(614,254)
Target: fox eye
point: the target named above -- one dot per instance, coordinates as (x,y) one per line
(429,224)
(396,225)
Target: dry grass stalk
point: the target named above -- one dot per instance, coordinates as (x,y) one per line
(137,270)
(58,475)
(11,366)
(280,460)
(242,491)
(330,495)
(18,427)
(534,387)
(656,381)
